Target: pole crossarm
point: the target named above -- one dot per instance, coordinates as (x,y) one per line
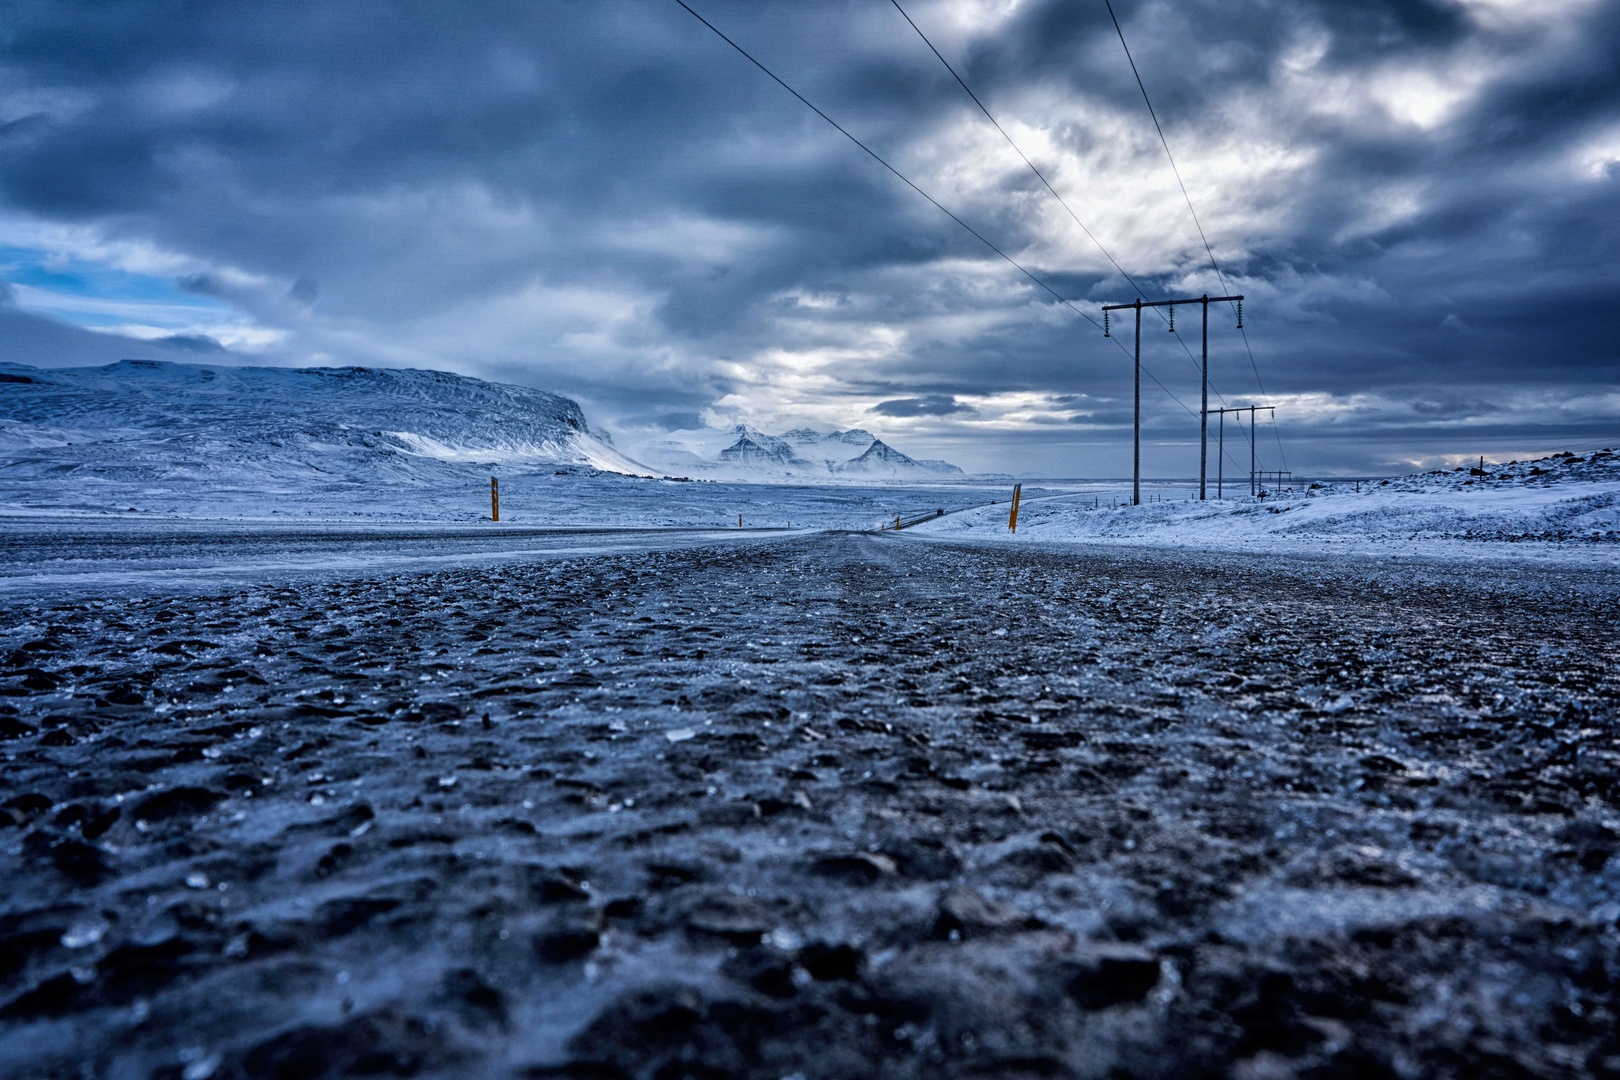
(1171,303)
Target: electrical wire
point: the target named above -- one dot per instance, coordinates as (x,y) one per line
(1047,184)
(1165,143)
(1241,431)
(1014,145)
(1166,389)
(904,179)
(901,176)
(1221,278)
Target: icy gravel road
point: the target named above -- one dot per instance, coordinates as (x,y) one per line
(831,806)
(43,556)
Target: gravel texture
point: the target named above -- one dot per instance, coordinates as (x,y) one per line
(827,806)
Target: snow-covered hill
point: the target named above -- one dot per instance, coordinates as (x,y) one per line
(140,431)
(743,452)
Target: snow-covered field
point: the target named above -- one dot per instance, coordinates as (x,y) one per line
(535,497)
(359,444)
(1565,505)
(174,443)
(176,446)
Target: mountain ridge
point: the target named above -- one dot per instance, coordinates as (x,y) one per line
(883,460)
(422,412)
(146,431)
(744,452)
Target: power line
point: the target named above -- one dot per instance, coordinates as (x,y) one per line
(1221,278)
(1041,176)
(1166,389)
(1218,275)
(904,179)
(1012,144)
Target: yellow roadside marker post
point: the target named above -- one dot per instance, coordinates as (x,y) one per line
(1012,519)
(494,499)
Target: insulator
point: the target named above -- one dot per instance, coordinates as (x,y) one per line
(1105,325)
(1240,315)
(1172,318)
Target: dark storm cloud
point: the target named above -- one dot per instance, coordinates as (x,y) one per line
(1420,199)
(25,338)
(928,405)
(196,343)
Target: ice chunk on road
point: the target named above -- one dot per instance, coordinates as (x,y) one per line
(85,933)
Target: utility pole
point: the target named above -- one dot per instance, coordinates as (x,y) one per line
(1251,410)
(1136,430)
(1203,409)
(1203,418)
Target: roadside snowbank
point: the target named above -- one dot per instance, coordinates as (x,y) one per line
(1567,501)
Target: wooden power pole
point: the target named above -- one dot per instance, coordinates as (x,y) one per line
(1203,416)
(1251,410)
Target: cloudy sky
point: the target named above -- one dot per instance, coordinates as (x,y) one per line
(1420,199)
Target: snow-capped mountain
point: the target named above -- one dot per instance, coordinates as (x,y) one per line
(144,431)
(829,447)
(762,452)
(883,461)
(803,453)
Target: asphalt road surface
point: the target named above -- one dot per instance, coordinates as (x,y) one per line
(819,806)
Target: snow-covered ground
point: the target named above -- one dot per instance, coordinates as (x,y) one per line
(183,441)
(1566,504)
(167,444)
(530,498)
